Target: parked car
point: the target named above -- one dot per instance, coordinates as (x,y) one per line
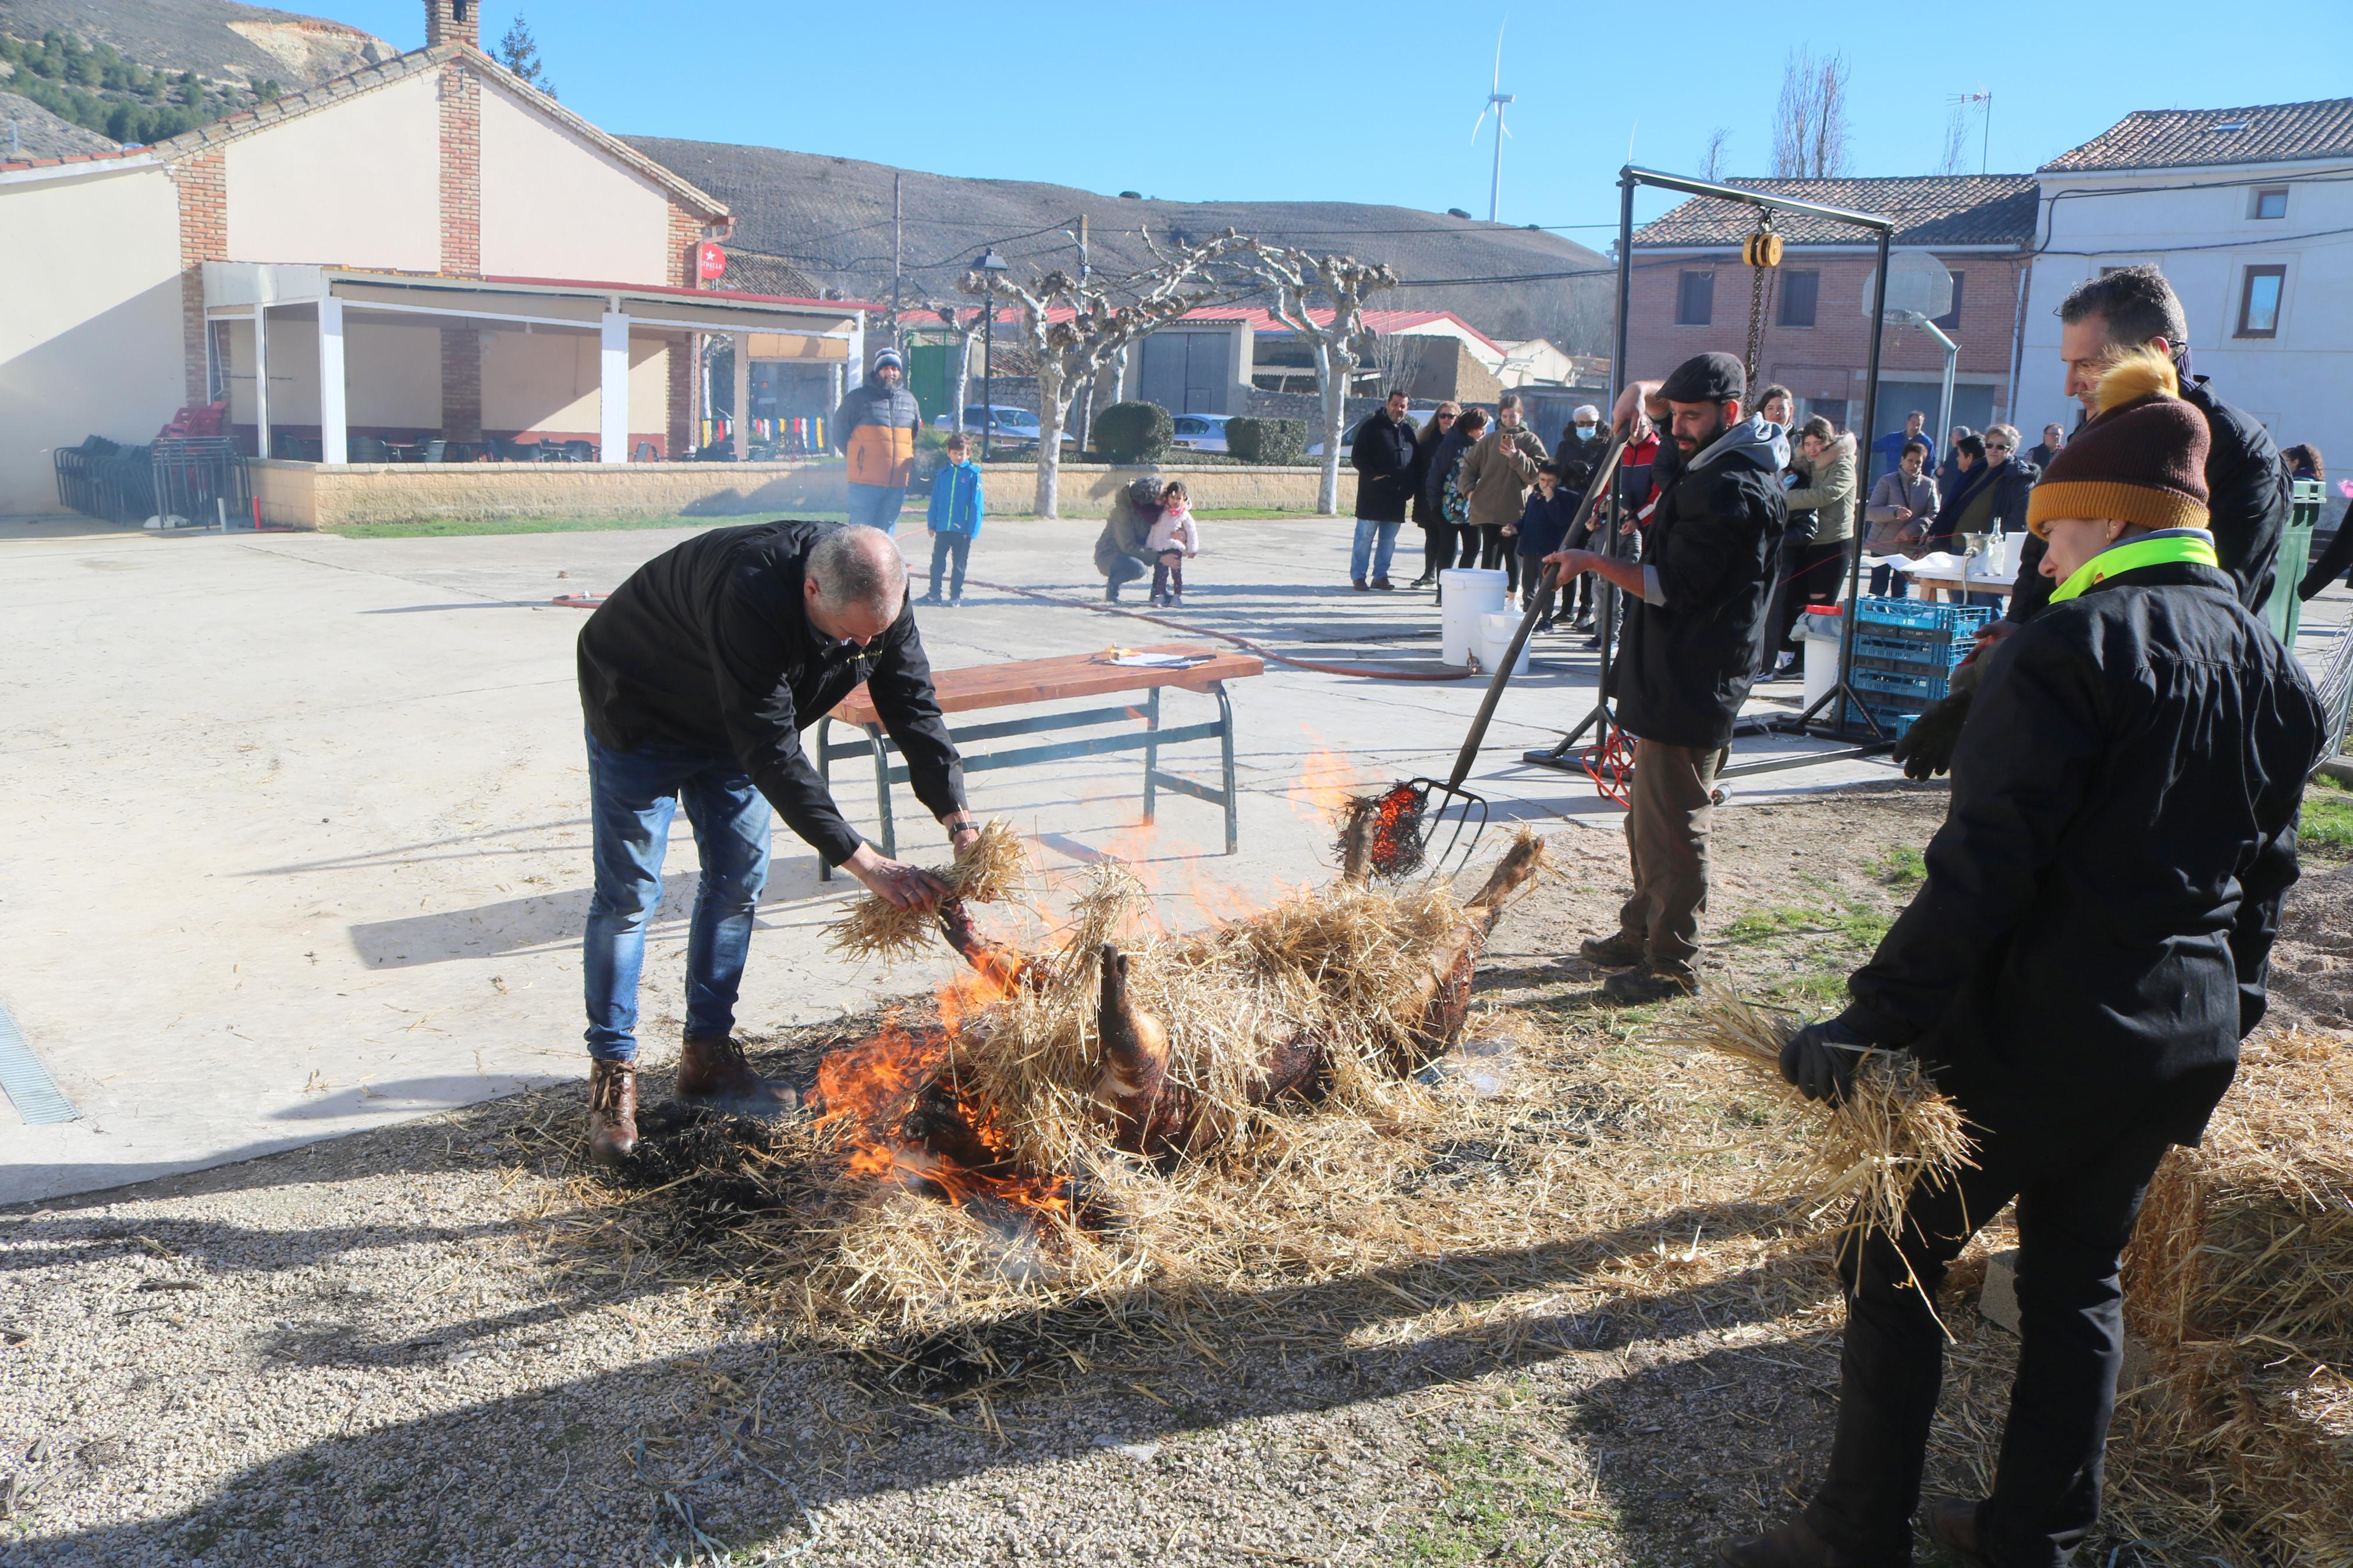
(1015,425)
(1420,417)
(1200,432)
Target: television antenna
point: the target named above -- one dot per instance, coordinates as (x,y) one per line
(1984,96)
(1496,101)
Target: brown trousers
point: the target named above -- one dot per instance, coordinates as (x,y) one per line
(1666,840)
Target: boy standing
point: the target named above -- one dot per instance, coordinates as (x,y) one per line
(1543,523)
(954,519)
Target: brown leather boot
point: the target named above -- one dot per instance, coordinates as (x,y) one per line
(612,1111)
(1953,1525)
(1795,1545)
(713,1074)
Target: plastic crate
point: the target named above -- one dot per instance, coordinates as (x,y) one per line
(1919,613)
(1926,655)
(1893,720)
(1914,690)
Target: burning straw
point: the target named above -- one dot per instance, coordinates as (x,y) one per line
(993,866)
(1891,1130)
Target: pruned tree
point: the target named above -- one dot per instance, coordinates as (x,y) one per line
(1297,278)
(1073,329)
(1811,139)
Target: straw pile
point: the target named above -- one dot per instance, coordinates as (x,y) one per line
(1891,1130)
(2240,1281)
(992,868)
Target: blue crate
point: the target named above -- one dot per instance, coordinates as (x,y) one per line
(1920,656)
(1914,690)
(1893,720)
(1875,611)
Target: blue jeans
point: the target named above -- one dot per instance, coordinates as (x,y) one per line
(877,506)
(1364,553)
(632,796)
(1887,582)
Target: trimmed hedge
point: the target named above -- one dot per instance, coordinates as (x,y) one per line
(1134,432)
(1280,441)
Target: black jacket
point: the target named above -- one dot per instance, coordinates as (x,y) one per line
(1384,458)
(708,648)
(2248,499)
(1442,463)
(2092,941)
(1425,454)
(1688,663)
(1578,461)
(2010,483)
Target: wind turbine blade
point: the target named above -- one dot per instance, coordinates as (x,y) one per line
(1477,123)
(1499,55)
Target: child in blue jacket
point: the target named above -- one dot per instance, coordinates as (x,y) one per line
(1542,528)
(954,519)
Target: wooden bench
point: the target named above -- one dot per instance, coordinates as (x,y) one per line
(1018,682)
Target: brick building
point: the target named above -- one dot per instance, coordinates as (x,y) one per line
(426,248)
(1690,293)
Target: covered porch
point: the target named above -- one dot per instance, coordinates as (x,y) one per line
(340,366)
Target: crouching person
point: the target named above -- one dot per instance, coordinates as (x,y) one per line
(697,677)
(2088,950)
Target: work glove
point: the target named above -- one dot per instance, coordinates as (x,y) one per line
(1821,1059)
(1926,749)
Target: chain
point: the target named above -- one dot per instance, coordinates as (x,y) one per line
(1757,286)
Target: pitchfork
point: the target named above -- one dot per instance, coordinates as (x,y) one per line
(1404,816)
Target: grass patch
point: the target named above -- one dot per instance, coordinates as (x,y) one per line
(1856,923)
(1901,866)
(2327,820)
(1500,1506)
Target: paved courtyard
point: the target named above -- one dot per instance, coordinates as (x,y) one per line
(305,851)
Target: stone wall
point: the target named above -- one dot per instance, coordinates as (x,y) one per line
(313,495)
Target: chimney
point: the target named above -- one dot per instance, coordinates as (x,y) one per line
(453,22)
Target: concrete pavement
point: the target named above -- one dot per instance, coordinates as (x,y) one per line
(301,843)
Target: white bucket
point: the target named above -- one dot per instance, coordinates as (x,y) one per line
(1471,592)
(1495,635)
(1821,640)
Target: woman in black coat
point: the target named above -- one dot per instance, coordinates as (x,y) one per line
(1437,534)
(1429,507)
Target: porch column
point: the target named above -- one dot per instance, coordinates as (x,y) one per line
(333,447)
(743,396)
(613,388)
(261,381)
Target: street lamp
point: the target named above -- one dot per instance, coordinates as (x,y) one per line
(989,266)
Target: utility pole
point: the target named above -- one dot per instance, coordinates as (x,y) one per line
(1086,398)
(896,179)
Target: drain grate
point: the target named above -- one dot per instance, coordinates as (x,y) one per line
(31,1089)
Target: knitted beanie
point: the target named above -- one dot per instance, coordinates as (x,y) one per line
(2142,459)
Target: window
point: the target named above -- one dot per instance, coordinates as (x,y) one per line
(1695,299)
(1801,292)
(2272,202)
(2259,301)
(1951,320)
(1830,408)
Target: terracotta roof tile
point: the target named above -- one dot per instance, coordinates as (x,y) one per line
(1929,209)
(2191,138)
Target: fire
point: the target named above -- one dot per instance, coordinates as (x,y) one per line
(1397,830)
(1323,789)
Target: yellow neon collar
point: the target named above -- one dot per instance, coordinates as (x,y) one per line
(2122,558)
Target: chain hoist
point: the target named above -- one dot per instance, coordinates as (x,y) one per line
(1762,252)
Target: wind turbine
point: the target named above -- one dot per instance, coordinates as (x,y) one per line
(1496,98)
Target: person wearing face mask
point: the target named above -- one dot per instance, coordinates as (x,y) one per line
(1582,447)
(2088,947)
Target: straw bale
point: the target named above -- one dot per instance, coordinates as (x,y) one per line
(992,868)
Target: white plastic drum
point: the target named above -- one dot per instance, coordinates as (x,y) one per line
(1471,592)
(1495,635)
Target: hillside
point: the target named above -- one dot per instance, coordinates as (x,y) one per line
(831,216)
(140,70)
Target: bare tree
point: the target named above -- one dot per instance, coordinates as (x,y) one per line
(1956,156)
(1811,139)
(1297,278)
(1711,162)
(1073,329)
(1396,359)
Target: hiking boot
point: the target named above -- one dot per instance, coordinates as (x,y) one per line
(1385,585)
(1795,1545)
(1641,987)
(1359,584)
(1953,1525)
(713,1074)
(1624,951)
(612,1111)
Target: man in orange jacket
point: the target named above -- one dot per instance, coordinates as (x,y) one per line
(875,428)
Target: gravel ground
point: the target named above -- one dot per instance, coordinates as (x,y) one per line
(389,1350)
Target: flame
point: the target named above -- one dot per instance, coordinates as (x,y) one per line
(1323,789)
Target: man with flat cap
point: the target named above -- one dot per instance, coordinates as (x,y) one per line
(1694,630)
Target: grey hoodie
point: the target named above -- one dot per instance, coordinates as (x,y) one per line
(1755,437)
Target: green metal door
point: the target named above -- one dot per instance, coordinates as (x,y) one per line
(931,377)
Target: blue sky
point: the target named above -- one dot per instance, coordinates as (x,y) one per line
(1373,101)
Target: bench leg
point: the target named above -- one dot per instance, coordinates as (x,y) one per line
(1151,750)
(1226,748)
(882,791)
(825,777)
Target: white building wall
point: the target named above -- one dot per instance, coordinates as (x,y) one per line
(2197,226)
(546,383)
(354,185)
(89,320)
(554,207)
